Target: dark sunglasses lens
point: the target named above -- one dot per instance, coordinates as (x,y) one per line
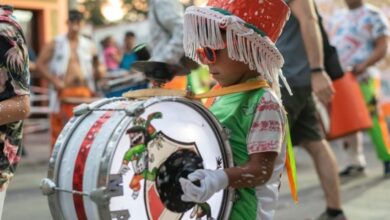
(210,55)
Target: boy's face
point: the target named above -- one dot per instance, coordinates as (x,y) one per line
(229,72)
(353,3)
(111,42)
(129,42)
(74,26)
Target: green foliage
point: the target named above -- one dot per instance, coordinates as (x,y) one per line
(91,9)
(135,10)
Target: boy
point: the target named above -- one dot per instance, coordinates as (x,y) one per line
(236,40)
(129,56)
(14,96)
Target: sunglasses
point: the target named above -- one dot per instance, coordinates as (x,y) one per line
(207,55)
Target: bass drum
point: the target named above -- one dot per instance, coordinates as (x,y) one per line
(121,159)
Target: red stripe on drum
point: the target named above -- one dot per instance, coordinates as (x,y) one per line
(155,204)
(81,160)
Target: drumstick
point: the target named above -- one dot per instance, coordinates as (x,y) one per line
(154,92)
(143,93)
(78,100)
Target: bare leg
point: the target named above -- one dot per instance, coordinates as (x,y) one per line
(326,167)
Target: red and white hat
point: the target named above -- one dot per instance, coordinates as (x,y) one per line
(252,28)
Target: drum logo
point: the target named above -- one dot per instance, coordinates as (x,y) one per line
(141,134)
(149,155)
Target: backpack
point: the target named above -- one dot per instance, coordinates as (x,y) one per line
(331,58)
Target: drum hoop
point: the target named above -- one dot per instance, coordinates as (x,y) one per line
(58,152)
(104,172)
(105,164)
(229,193)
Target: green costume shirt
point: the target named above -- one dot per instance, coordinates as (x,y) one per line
(236,112)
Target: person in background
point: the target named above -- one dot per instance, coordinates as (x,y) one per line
(302,48)
(129,56)
(111,53)
(360,36)
(32,56)
(14,96)
(166,30)
(71,66)
(166,36)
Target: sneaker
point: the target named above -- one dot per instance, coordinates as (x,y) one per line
(352,171)
(325,216)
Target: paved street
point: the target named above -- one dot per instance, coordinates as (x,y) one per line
(366,198)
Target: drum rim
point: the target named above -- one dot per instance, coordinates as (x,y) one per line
(59,150)
(105,165)
(229,193)
(221,135)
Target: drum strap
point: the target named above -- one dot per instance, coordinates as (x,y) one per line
(242,87)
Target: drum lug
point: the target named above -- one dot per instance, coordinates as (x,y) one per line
(48,187)
(81,109)
(134,111)
(100,196)
(226,133)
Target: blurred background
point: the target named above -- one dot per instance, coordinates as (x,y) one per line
(43,20)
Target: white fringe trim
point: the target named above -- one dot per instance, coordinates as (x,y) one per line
(202,29)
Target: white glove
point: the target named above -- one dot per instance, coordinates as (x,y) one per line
(124,169)
(211,181)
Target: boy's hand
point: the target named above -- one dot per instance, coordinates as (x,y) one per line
(211,181)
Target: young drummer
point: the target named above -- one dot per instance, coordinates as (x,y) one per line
(236,40)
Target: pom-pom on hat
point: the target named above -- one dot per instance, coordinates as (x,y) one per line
(251,27)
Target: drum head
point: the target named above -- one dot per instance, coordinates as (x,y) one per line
(172,138)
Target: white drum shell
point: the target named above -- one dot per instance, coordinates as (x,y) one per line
(182,120)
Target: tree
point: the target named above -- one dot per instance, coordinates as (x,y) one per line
(135,10)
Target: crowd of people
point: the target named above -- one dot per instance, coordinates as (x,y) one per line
(238,45)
